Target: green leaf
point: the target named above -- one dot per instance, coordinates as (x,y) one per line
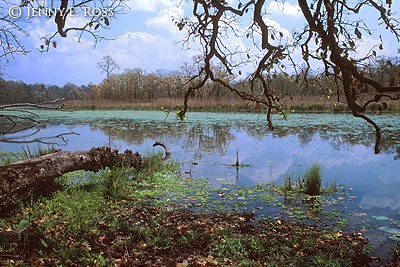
(43,243)
(23,223)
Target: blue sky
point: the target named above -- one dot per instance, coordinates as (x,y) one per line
(144,37)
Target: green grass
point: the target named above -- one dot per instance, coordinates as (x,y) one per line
(25,153)
(313,180)
(117,183)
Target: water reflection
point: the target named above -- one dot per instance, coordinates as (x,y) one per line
(342,144)
(346,154)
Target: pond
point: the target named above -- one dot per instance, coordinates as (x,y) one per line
(207,145)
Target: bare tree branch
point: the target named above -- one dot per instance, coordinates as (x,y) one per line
(330,37)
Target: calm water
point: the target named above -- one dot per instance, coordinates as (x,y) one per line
(343,145)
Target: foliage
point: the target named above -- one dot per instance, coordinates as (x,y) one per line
(28,153)
(340,107)
(153,224)
(116,182)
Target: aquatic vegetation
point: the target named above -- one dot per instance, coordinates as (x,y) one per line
(313,180)
(161,216)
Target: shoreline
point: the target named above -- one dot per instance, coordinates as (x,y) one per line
(172,105)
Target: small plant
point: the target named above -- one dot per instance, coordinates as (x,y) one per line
(237,163)
(5,158)
(28,153)
(313,180)
(237,159)
(154,162)
(287,184)
(116,183)
(332,187)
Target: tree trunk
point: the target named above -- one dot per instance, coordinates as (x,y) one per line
(23,175)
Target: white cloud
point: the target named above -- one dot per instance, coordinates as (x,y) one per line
(164,19)
(146,51)
(39,29)
(367,44)
(277,27)
(151,5)
(284,8)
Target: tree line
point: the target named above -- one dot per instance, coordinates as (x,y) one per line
(138,85)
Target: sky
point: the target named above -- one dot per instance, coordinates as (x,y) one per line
(145,37)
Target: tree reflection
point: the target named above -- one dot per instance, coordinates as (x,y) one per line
(202,138)
(216,137)
(197,138)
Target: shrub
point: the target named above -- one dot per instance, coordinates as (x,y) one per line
(340,107)
(377,106)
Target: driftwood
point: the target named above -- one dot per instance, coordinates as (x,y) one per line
(23,175)
(166,148)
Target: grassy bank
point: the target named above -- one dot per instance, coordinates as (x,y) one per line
(296,104)
(154,217)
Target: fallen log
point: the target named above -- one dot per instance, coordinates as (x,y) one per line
(23,175)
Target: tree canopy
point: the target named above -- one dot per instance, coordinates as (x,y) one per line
(328,41)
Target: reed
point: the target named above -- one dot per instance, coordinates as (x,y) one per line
(313,180)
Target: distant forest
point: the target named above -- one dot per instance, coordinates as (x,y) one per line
(137,85)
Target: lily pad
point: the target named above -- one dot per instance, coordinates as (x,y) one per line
(380,218)
(360,214)
(390,230)
(394,238)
